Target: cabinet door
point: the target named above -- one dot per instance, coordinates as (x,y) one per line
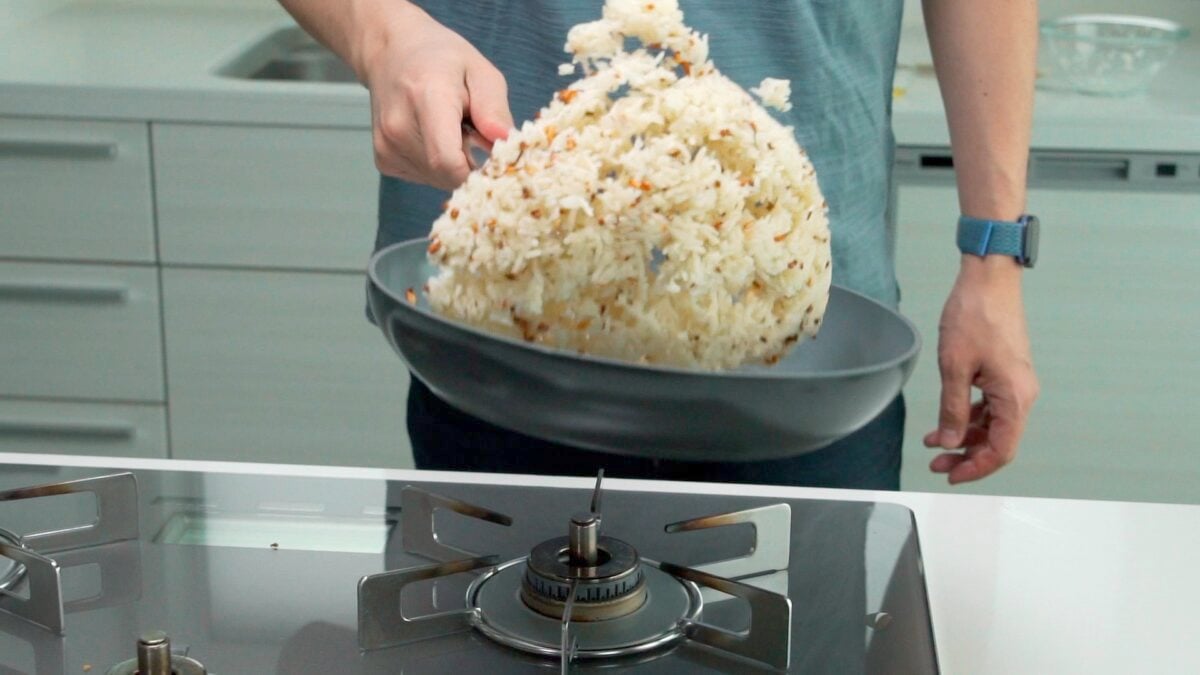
(264,197)
(1112,310)
(80,331)
(106,429)
(75,190)
(281,367)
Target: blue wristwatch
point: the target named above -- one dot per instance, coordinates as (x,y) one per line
(1018,239)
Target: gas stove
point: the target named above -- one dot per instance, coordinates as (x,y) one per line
(108,571)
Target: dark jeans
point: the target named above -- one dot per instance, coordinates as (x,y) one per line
(445,438)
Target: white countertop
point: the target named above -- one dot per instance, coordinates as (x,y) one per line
(148,62)
(159,63)
(1016,585)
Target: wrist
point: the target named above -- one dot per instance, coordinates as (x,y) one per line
(375,25)
(990,270)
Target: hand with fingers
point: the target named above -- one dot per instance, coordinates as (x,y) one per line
(983,343)
(424,89)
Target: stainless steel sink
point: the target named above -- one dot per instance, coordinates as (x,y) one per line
(288,54)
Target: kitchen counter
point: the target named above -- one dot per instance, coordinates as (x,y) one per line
(158,62)
(1016,585)
(1166,118)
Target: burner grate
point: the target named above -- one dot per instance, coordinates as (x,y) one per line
(30,565)
(554,615)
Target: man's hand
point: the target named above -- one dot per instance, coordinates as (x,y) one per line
(424,78)
(983,342)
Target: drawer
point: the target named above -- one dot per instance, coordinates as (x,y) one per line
(265,197)
(75,190)
(280,367)
(80,331)
(83,428)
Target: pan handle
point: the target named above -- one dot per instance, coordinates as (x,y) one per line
(477,148)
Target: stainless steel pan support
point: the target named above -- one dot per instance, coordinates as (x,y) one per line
(31,564)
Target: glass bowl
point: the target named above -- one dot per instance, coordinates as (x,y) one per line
(1111,54)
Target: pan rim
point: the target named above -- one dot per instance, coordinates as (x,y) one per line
(610,362)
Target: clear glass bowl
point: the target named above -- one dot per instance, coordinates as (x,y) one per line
(1111,54)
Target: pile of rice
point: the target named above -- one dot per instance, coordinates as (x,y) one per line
(653,212)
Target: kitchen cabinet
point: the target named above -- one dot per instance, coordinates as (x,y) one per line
(64,427)
(265,233)
(80,332)
(80,323)
(75,190)
(265,197)
(1113,323)
(280,367)
(268,356)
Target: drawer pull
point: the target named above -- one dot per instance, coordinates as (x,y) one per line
(43,149)
(63,291)
(1080,168)
(109,431)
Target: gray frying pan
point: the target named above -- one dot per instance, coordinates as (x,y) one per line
(821,391)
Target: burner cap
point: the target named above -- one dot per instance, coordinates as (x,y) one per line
(614,586)
(670,604)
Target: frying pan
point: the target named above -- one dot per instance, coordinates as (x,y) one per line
(823,390)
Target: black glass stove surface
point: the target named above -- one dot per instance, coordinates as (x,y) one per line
(258,574)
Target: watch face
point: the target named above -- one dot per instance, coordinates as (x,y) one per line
(1030,244)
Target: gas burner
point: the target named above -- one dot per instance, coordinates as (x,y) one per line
(25,562)
(608,586)
(603,574)
(507,619)
(586,595)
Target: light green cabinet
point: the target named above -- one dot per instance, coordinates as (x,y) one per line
(75,190)
(112,429)
(80,332)
(257,296)
(81,362)
(280,367)
(265,233)
(265,197)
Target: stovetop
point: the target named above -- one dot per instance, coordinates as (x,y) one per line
(260,574)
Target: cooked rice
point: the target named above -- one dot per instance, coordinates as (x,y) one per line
(653,212)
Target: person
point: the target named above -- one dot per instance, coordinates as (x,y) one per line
(431,64)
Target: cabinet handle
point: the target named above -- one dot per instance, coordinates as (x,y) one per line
(1080,168)
(63,291)
(43,149)
(109,431)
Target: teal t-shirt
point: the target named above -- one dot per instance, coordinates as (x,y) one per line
(840,56)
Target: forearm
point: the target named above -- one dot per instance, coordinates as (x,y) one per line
(985,53)
(353,29)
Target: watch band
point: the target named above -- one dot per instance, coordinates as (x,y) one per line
(982,237)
